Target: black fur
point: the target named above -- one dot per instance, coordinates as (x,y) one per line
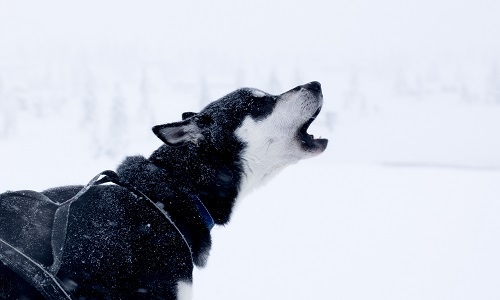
(120,247)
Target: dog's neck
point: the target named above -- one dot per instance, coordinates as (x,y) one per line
(179,202)
(264,155)
(177,177)
(213,175)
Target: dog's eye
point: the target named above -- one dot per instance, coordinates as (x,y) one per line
(262,107)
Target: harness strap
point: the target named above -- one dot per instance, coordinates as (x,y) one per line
(61,217)
(44,279)
(112,177)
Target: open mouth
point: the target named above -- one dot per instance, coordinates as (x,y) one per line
(308,142)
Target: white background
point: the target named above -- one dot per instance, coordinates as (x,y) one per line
(404,203)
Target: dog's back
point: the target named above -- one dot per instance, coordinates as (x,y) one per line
(116,246)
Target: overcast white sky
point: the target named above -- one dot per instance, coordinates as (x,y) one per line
(342,27)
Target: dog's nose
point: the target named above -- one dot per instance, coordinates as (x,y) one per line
(314,87)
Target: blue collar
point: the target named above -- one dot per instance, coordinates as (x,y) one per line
(204,213)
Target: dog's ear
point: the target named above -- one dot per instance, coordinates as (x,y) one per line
(188,115)
(178,133)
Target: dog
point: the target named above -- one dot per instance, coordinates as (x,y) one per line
(137,233)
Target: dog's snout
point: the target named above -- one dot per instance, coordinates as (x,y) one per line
(314,87)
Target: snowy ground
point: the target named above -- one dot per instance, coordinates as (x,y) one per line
(326,230)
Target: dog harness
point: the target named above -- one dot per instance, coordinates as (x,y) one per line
(41,273)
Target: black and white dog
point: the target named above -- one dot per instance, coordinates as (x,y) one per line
(141,237)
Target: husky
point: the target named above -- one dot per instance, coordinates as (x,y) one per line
(137,233)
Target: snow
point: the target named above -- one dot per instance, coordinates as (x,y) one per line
(404,202)
(358,232)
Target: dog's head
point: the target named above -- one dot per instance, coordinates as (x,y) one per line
(269,131)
